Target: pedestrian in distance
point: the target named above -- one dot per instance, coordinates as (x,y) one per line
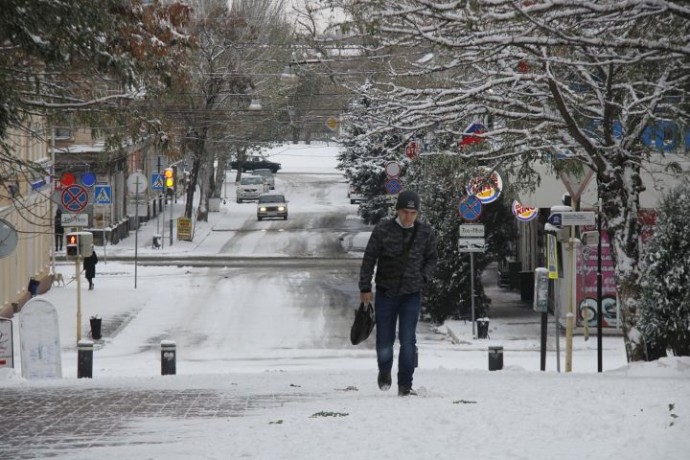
(403,251)
(59,230)
(90,268)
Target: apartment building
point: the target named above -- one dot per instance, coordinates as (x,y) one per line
(26,208)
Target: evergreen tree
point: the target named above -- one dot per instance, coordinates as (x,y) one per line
(441,181)
(363,158)
(665,299)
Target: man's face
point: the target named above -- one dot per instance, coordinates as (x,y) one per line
(407,216)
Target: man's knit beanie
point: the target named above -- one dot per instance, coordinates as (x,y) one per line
(407,199)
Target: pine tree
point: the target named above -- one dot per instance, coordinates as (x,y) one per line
(665,299)
(441,181)
(362,160)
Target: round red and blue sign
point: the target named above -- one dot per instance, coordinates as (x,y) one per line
(470,208)
(75,198)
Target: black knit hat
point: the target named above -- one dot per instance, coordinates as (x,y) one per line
(408,200)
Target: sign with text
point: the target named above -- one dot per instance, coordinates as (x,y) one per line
(471,244)
(572,219)
(184,229)
(471,231)
(75,220)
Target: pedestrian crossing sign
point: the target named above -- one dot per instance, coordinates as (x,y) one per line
(103,194)
(157,182)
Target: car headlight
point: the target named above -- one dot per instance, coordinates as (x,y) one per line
(281,208)
(262,209)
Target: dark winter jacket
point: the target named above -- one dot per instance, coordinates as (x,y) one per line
(396,272)
(90,266)
(59,229)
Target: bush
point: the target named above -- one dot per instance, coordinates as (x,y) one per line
(665,298)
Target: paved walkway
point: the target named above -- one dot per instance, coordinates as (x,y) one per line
(44,422)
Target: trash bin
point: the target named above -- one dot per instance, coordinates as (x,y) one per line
(33,287)
(483,328)
(495,358)
(95,327)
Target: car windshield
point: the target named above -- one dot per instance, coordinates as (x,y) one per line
(263,172)
(272,199)
(251,180)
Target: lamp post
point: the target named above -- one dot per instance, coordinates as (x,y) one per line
(599,292)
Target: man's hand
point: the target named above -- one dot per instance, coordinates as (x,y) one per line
(366,297)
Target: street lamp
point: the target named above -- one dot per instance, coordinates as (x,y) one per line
(288,76)
(255,105)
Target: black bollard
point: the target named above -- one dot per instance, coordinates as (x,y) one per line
(85,359)
(483,328)
(95,322)
(168,357)
(495,358)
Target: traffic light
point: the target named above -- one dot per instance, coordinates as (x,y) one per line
(72,245)
(169,177)
(79,244)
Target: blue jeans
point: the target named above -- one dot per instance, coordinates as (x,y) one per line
(389,310)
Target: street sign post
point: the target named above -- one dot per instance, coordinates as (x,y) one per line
(572,219)
(412,150)
(471,231)
(75,220)
(471,244)
(103,194)
(470,208)
(136,183)
(471,240)
(157,182)
(393,186)
(75,198)
(8,239)
(393,169)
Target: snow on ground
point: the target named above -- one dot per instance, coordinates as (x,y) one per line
(328,403)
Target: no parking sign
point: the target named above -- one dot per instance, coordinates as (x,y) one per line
(75,198)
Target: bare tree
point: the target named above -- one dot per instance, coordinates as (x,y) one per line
(235,63)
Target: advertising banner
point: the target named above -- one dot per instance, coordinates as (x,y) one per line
(587,285)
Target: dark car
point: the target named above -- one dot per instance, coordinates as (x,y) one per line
(272,205)
(254,163)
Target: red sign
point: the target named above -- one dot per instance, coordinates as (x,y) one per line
(412,150)
(67,179)
(75,198)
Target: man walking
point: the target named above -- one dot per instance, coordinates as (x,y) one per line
(403,251)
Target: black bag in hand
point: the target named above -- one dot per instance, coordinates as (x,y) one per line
(363,325)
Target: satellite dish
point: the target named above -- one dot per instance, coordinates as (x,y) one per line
(8,239)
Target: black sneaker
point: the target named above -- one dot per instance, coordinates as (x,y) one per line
(384,380)
(406,391)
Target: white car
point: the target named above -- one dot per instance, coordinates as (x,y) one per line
(272,205)
(250,188)
(268,177)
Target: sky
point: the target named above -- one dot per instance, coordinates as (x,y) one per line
(243,335)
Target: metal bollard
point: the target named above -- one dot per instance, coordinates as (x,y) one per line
(495,358)
(85,359)
(168,357)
